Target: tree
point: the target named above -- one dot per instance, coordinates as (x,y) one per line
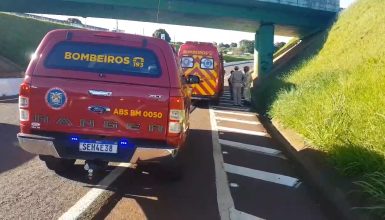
(158,34)
(234,45)
(222,45)
(177,45)
(247,46)
(74,21)
(278,46)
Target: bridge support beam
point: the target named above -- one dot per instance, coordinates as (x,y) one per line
(264,50)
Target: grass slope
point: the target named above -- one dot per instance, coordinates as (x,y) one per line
(337,98)
(287,46)
(20,37)
(232,58)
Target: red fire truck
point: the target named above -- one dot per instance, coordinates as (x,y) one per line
(203,60)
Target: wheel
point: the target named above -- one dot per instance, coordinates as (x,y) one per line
(57,164)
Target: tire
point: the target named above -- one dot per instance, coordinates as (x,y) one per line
(58,165)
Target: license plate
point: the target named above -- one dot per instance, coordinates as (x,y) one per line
(98,147)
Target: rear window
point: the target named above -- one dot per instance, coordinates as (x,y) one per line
(103,58)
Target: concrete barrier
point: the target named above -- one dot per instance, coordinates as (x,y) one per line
(10,86)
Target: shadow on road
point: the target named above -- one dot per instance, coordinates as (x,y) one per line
(193,197)
(11,155)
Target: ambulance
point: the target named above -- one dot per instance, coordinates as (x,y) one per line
(203,60)
(104,97)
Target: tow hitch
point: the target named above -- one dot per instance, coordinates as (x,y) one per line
(92,166)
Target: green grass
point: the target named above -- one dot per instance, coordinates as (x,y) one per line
(336,99)
(266,93)
(20,37)
(231,58)
(287,46)
(374,185)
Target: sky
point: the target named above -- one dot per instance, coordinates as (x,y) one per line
(177,32)
(346,3)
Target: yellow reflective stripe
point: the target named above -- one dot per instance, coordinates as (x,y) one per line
(201,91)
(188,71)
(212,82)
(207,76)
(195,67)
(208,88)
(215,74)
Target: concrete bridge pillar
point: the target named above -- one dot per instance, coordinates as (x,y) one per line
(264,50)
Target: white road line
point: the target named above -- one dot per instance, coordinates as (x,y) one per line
(236,113)
(82,205)
(253,148)
(238,120)
(232,108)
(261,175)
(238,215)
(236,130)
(224,199)
(226,206)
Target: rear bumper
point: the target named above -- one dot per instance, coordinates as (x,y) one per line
(43,145)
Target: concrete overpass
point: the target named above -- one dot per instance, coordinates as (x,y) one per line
(262,17)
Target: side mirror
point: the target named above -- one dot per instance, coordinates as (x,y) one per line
(192,79)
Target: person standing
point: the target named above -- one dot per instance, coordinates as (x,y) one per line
(230,85)
(236,80)
(247,80)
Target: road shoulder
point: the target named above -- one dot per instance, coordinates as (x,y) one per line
(335,190)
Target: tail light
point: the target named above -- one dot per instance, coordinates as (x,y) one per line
(176,116)
(24,94)
(24,115)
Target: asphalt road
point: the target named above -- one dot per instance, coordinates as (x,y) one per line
(28,190)
(145,195)
(263,182)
